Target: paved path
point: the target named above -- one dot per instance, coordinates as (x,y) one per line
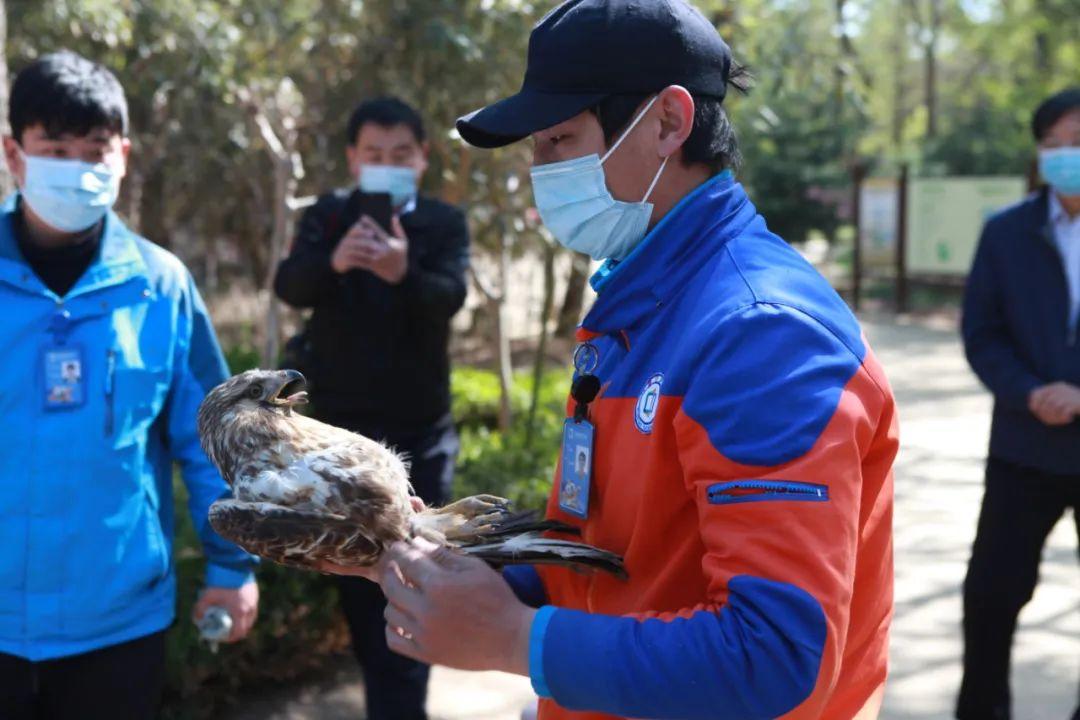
(945,420)
(944,417)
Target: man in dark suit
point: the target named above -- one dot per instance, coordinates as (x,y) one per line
(375,348)
(1021,313)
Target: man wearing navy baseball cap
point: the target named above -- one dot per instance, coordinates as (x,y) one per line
(738,434)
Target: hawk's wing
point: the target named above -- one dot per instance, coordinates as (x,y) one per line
(341,503)
(296,537)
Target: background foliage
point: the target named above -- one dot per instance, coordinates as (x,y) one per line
(835,78)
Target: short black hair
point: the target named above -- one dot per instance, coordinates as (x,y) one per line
(386,112)
(712,141)
(66,93)
(1053,109)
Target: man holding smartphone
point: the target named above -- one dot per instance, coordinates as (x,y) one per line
(383,269)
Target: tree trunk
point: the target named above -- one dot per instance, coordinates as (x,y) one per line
(1043,50)
(838,67)
(574,299)
(898,53)
(7,183)
(540,359)
(287,171)
(284,191)
(502,337)
(932,30)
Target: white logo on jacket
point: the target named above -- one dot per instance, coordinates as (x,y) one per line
(647,402)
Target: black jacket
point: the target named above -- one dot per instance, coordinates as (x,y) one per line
(1017,334)
(375,354)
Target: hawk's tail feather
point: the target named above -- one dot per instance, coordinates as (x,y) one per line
(482,518)
(532,548)
(525,522)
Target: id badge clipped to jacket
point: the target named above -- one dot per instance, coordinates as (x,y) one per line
(576,467)
(63,368)
(579,437)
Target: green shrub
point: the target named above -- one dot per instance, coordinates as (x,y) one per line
(508,465)
(242,357)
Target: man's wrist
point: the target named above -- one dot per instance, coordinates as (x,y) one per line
(402,278)
(518,641)
(537,632)
(334,267)
(229,577)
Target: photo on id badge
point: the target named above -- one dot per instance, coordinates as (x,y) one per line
(63,377)
(577,469)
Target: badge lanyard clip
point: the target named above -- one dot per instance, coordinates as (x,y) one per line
(60,326)
(584,390)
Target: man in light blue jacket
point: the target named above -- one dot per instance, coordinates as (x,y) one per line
(107,351)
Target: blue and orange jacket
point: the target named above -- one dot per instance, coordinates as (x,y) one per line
(751,496)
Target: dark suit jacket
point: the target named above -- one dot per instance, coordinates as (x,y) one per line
(1017,334)
(376,354)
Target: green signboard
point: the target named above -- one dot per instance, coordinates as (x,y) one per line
(945,217)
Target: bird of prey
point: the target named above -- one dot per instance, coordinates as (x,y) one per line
(305,492)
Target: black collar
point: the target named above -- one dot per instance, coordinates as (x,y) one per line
(85,246)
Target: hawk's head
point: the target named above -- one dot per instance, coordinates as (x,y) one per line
(249,403)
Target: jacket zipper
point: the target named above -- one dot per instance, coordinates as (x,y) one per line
(110,376)
(741,491)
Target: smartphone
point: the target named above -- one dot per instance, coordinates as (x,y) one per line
(379,208)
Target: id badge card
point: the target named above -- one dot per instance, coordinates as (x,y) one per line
(577,463)
(65,380)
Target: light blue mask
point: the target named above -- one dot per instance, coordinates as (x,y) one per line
(69,195)
(399,182)
(1060,168)
(575,204)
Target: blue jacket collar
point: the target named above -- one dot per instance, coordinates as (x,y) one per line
(684,239)
(118,261)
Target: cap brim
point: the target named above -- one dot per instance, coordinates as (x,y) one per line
(518,116)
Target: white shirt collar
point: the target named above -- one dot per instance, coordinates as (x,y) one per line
(1059,217)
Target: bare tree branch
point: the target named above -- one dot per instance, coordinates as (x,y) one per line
(485,286)
(273,142)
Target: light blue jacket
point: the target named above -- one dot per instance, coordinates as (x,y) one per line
(86,506)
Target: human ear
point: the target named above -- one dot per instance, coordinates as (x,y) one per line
(15,163)
(676,112)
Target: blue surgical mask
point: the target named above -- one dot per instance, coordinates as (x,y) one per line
(1060,168)
(69,195)
(399,182)
(575,204)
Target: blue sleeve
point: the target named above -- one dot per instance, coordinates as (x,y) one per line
(987,342)
(757,657)
(526,584)
(199,367)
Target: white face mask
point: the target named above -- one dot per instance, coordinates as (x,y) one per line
(576,206)
(1060,167)
(69,195)
(399,182)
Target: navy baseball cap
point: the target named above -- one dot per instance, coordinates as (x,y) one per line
(586,50)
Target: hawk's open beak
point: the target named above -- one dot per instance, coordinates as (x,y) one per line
(291,391)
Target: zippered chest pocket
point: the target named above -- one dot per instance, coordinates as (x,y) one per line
(744,491)
(134,397)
